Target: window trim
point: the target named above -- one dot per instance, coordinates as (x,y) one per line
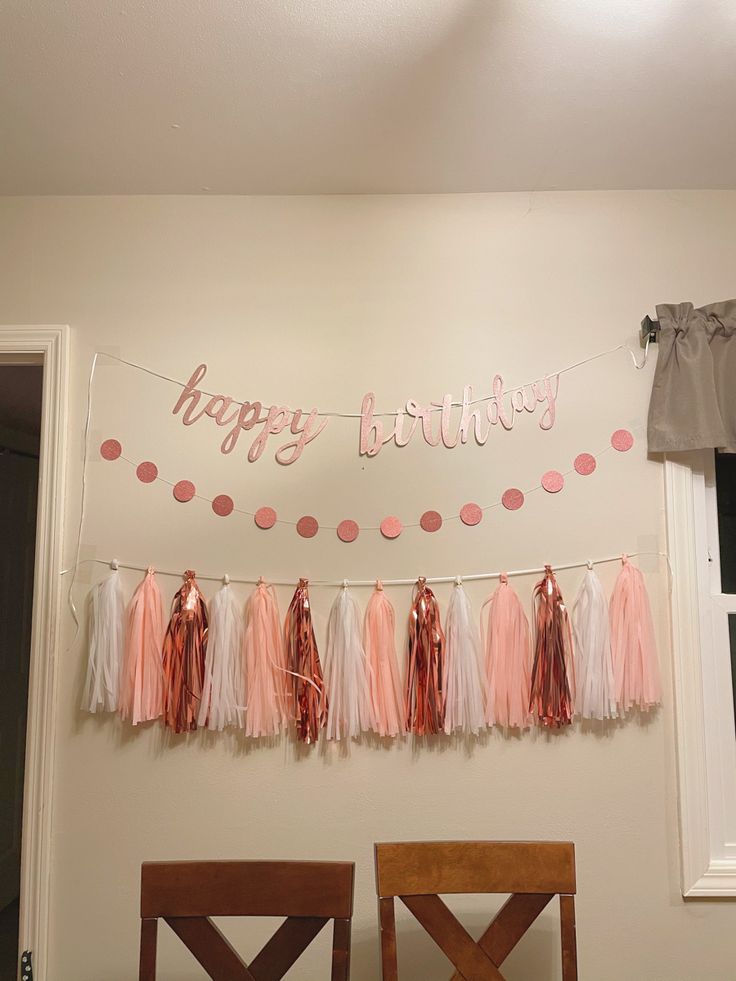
(704,718)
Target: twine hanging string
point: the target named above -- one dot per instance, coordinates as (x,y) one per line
(335,583)
(434,407)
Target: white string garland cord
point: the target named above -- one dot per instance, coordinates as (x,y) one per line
(435,407)
(335,583)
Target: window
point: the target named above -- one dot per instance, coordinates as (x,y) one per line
(701,533)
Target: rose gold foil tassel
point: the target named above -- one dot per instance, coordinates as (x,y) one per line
(424,697)
(185,649)
(309,695)
(553,673)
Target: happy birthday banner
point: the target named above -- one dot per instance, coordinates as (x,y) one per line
(500,408)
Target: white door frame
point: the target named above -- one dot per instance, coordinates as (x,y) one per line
(50,346)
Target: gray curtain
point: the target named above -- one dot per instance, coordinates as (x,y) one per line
(693,402)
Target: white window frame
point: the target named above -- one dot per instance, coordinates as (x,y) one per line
(706,738)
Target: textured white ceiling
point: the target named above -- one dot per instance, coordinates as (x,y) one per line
(312,96)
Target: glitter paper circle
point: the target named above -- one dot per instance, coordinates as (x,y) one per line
(265,518)
(553,481)
(223,505)
(585,464)
(307,526)
(184,491)
(348,531)
(146,472)
(431,521)
(391,527)
(622,440)
(512,499)
(471,514)
(110,449)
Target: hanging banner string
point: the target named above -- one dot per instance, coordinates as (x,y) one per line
(336,583)
(435,407)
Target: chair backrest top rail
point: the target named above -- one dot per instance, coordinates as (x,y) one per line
(445,867)
(247,888)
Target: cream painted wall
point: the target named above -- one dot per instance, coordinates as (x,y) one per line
(316,301)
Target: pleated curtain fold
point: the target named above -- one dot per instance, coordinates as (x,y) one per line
(693,401)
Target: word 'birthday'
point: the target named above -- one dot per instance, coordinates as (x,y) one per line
(446,422)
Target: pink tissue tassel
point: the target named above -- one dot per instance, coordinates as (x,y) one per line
(508,660)
(384,681)
(142,687)
(267,677)
(635,663)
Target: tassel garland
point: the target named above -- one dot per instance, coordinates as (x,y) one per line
(106,642)
(507,660)
(217,668)
(346,671)
(223,689)
(185,649)
(596,697)
(635,662)
(464,680)
(553,677)
(384,682)
(265,665)
(142,687)
(309,696)
(424,704)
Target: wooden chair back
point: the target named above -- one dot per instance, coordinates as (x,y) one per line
(187,894)
(418,873)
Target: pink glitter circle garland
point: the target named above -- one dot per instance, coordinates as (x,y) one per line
(553,481)
(223,505)
(622,440)
(431,521)
(471,514)
(391,527)
(110,449)
(585,464)
(146,472)
(348,531)
(184,491)
(265,518)
(307,526)
(512,499)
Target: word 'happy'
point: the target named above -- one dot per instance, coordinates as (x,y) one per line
(243,416)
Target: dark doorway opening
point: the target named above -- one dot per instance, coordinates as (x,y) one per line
(20,425)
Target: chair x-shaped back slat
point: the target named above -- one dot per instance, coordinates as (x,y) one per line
(222,962)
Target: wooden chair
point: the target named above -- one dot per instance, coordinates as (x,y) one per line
(419,872)
(187,894)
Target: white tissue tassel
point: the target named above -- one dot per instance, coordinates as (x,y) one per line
(106,644)
(223,695)
(346,671)
(464,681)
(593,660)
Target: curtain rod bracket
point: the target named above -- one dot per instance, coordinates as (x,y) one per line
(649,331)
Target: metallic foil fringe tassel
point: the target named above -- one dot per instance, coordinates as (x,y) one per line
(553,677)
(185,649)
(309,695)
(424,697)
